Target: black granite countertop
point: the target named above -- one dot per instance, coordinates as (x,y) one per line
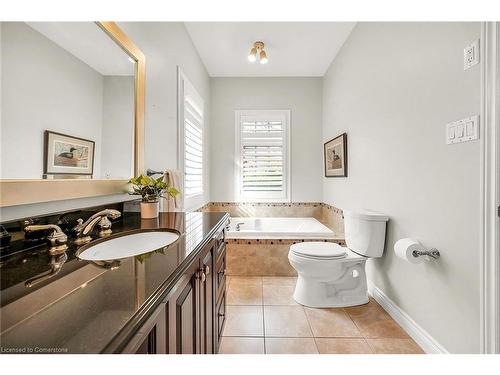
(86,306)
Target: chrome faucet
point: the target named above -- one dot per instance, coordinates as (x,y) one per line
(100,218)
(238,226)
(57,237)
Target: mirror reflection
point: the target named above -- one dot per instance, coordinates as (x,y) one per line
(67,102)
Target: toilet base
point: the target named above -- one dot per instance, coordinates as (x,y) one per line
(342,293)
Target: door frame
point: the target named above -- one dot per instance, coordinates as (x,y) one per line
(490,186)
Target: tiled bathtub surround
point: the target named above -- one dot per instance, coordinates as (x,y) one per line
(328,215)
(269,257)
(331,216)
(260,257)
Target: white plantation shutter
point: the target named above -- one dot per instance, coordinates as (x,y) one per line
(193,141)
(191,148)
(262,151)
(262,144)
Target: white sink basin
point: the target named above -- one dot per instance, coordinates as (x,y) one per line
(128,245)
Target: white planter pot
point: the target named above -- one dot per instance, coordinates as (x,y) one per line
(149,210)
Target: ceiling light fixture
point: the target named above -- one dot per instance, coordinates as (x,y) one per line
(258,51)
(263,57)
(252,57)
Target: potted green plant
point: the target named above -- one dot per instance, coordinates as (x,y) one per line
(151,190)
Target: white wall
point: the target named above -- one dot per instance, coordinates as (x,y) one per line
(44,87)
(165,46)
(302,96)
(117,146)
(392,88)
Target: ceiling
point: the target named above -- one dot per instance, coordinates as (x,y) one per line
(89,43)
(294,49)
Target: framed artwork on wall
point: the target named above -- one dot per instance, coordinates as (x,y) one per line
(336,156)
(65,154)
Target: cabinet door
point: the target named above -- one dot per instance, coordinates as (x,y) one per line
(220,274)
(151,337)
(207,301)
(184,313)
(148,345)
(220,297)
(220,320)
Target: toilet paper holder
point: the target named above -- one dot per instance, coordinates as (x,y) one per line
(433,253)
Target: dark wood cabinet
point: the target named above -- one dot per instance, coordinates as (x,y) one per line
(152,336)
(220,320)
(191,317)
(220,294)
(207,303)
(183,318)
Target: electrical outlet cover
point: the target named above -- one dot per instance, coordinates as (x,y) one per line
(471,54)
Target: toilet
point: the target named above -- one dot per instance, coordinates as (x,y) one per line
(330,275)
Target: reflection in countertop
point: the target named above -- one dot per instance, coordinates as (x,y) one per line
(85,305)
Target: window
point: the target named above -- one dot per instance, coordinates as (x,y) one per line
(262,155)
(191,110)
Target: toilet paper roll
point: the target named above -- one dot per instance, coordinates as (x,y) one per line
(404,249)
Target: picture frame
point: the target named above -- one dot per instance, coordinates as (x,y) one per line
(335,156)
(67,155)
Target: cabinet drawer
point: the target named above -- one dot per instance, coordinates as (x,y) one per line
(220,276)
(221,316)
(220,245)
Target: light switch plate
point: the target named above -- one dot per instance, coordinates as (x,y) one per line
(463,130)
(471,54)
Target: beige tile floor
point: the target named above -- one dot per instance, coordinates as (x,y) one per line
(263,318)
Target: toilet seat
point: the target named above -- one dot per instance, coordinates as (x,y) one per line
(318,250)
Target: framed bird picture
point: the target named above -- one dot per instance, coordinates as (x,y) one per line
(67,155)
(335,152)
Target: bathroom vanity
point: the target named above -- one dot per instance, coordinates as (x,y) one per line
(169,300)
(86,140)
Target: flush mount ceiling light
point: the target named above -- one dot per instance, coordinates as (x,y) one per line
(258,50)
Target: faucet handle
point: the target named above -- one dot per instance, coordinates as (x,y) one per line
(78,227)
(104,227)
(57,237)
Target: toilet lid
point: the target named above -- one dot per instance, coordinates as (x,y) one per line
(318,249)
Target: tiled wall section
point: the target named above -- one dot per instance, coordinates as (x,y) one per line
(329,215)
(270,257)
(258,260)
(332,217)
(259,257)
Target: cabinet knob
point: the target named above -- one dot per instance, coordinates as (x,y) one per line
(207,270)
(203,277)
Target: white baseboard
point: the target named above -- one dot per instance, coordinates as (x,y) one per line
(417,333)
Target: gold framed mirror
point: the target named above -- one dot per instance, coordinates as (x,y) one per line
(21,190)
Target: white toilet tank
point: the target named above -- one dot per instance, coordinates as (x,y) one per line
(365,232)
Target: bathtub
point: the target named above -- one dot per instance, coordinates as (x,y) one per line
(278,228)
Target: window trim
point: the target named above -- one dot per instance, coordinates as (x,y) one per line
(282,113)
(195,200)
